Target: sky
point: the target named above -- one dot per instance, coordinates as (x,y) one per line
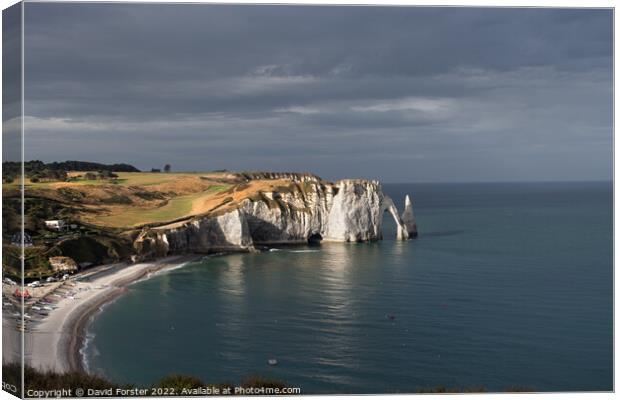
(400,94)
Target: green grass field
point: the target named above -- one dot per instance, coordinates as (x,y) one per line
(176,208)
(124,179)
(140,178)
(185,193)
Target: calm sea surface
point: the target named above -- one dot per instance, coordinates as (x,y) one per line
(508,285)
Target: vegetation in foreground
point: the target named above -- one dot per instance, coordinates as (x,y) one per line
(473,389)
(43,381)
(48,381)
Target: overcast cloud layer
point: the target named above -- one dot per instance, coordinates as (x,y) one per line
(399,94)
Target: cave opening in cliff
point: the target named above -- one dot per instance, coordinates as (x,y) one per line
(315,239)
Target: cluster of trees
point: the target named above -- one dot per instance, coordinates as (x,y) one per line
(103,174)
(167,168)
(38,171)
(47,175)
(91,166)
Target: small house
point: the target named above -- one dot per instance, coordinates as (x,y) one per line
(63,264)
(56,224)
(16,240)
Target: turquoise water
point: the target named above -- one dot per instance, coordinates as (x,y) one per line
(508,285)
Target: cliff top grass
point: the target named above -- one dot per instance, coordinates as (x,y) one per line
(136,199)
(111,208)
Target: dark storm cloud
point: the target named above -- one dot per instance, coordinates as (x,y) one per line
(394,93)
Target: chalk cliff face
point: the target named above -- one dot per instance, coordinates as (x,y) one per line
(221,233)
(308,210)
(356,212)
(292,216)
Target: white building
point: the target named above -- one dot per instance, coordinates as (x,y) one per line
(56,224)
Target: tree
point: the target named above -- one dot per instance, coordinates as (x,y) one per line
(167,168)
(105,174)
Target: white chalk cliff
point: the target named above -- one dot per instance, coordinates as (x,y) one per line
(409,219)
(310,210)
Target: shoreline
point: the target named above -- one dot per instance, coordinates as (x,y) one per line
(79,327)
(57,341)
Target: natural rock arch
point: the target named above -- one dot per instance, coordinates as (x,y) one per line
(387,205)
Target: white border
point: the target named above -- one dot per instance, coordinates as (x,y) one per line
(477,3)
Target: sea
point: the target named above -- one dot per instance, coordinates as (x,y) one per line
(509,286)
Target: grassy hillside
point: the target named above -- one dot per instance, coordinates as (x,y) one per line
(107,211)
(136,199)
(129,201)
